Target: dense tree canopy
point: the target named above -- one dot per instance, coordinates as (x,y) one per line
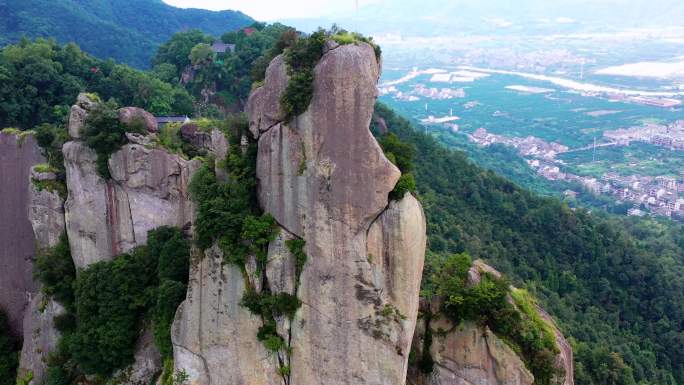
(108,301)
(39,81)
(227,75)
(126,30)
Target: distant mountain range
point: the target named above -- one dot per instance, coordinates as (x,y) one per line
(126,30)
(526,17)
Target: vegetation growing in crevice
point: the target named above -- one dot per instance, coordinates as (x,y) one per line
(296,247)
(302,161)
(488,304)
(51,138)
(105,134)
(172,252)
(425,363)
(108,301)
(9,352)
(51,186)
(229,215)
(401,154)
(55,270)
(258,232)
(224,205)
(111,301)
(169,137)
(301,58)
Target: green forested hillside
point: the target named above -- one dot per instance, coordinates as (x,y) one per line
(39,81)
(615,284)
(128,31)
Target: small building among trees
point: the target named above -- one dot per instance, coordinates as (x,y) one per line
(221,47)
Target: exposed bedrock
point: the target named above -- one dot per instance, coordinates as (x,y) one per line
(326,180)
(18,154)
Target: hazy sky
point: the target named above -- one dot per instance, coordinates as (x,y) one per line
(267,10)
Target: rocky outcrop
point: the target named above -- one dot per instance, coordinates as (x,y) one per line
(469,353)
(213,141)
(18,154)
(325,180)
(86,213)
(46,213)
(78,113)
(148,189)
(214,337)
(77,116)
(130,116)
(263,105)
(46,209)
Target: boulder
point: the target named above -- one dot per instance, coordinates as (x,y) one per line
(478,268)
(141,139)
(190,132)
(76,123)
(87,101)
(263,105)
(134,115)
(213,141)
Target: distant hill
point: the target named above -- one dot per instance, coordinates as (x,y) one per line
(126,30)
(523,17)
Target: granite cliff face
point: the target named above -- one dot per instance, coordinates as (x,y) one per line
(18,154)
(325,180)
(148,189)
(46,214)
(102,218)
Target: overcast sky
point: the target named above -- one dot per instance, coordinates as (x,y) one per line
(268,10)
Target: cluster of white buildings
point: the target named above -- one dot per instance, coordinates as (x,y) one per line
(528,147)
(661,195)
(438,93)
(664,135)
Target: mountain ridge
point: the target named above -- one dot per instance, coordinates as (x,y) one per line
(111,28)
